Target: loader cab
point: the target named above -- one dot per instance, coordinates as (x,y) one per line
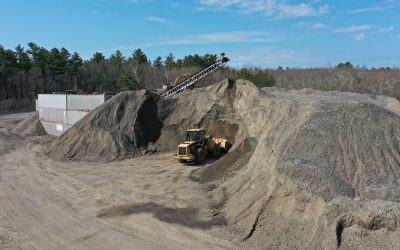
(196,135)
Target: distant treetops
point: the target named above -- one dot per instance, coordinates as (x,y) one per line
(26,72)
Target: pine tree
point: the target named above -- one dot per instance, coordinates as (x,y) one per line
(170,61)
(139,57)
(125,83)
(75,62)
(158,63)
(208,59)
(117,58)
(23,60)
(8,63)
(97,57)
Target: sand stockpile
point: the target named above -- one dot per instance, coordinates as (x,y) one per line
(308,169)
(136,122)
(311,160)
(123,127)
(30,126)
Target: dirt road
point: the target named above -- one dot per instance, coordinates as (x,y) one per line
(142,203)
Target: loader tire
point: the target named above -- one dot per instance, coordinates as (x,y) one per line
(200,155)
(216,151)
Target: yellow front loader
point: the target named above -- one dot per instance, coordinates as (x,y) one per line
(197,146)
(178,80)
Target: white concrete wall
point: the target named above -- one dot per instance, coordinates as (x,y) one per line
(84,102)
(54,128)
(52,115)
(58,113)
(52,101)
(69,117)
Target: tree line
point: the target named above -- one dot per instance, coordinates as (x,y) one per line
(343,77)
(26,72)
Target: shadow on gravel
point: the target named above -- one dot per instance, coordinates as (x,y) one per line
(208,161)
(182,216)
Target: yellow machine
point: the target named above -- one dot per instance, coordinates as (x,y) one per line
(178,79)
(198,146)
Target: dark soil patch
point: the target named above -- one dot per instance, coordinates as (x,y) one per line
(182,216)
(222,129)
(228,164)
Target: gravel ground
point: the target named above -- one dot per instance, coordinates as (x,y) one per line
(307,169)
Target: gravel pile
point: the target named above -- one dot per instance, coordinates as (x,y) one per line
(123,127)
(304,167)
(30,126)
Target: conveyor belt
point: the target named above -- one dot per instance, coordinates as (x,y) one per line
(194,78)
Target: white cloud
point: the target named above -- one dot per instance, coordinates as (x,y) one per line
(270,57)
(156,19)
(260,37)
(174,4)
(219,37)
(138,1)
(296,10)
(360,36)
(353,28)
(127,1)
(161,20)
(372,9)
(104,13)
(314,26)
(387,29)
(318,26)
(323,9)
(269,8)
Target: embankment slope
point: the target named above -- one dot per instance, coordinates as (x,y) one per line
(308,169)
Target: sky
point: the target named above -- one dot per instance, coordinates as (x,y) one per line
(256,33)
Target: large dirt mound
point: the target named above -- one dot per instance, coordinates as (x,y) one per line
(30,126)
(312,148)
(332,144)
(123,127)
(303,167)
(311,151)
(133,123)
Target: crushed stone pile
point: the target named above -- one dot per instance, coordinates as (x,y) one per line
(123,127)
(307,169)
(30,126)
